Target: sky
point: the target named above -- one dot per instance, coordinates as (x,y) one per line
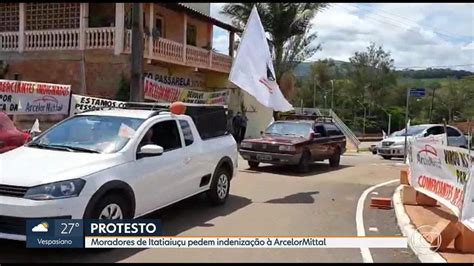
(418,35)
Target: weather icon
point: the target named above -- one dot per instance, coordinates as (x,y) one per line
(42,227)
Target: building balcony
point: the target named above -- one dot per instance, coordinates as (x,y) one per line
(169,51)
(159,49)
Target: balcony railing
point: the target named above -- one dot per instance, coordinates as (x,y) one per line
(8,41)
(100,38)
(52,40)
(168,50)
(174,52)
(104,38)
(221,61)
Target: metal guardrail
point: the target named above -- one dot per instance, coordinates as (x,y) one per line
(345,129)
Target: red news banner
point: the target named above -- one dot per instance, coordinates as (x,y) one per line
(443,173)
(158,91)
(23,97)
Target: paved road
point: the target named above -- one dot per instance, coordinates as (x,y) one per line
(270,202)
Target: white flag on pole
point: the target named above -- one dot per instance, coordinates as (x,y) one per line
(36,127)
(252,69)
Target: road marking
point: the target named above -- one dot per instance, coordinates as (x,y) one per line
(374,193)
(373,229)
(366,255)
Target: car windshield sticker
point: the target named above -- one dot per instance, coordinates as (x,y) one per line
(126,131)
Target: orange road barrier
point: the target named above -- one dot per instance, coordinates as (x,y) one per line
(423,200)
(447,230)
(404,177)
(381,203)
(409,195)
(464,242)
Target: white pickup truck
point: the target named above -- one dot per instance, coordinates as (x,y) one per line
(114,164)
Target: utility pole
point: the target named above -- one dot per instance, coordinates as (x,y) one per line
(469,135)
(325,99)
(406,128)
(363,127)
(431,107)
(389,123)
(314,91)
(136,82)
(332,94)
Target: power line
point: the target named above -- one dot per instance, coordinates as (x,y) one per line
(382,21)
(434,66)
(398,23)
(437,30)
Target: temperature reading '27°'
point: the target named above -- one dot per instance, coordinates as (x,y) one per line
(68,227)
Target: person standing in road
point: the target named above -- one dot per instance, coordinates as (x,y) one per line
(236,126)
(243,127)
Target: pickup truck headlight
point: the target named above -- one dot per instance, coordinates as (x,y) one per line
(246,145)
(287,148)
(57,190)
(399,143)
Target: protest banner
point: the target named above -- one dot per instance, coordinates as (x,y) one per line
(23,97)
(201,97)
(184,81)
(441,139)
(81,103)
(467,215)
(440,172)
(161,92)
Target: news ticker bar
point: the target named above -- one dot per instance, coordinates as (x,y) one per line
(146,233)
(245,242)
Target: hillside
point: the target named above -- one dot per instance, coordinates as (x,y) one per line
(342,67)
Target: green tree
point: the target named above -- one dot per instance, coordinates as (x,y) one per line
(373,73)
(288,27)
(457,96)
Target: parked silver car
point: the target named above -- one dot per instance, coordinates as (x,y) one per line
(394,145)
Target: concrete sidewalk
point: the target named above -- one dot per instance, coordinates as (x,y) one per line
(421,215)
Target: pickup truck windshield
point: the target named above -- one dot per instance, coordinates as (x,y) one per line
(412,131)
(94,134)
(289,129)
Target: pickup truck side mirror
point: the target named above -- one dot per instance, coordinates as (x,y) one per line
(314,135)
(150,150)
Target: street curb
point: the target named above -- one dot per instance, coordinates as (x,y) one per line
(409,230)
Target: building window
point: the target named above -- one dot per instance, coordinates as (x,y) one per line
(187,132)
(45,16)
(191,35)
(159,29)
(101,15)
(17,76)
(9,17)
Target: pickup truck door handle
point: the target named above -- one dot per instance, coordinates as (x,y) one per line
(187,160)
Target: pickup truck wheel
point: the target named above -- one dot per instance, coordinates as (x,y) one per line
(220,187)
(111,207)
(253,164)
(303,166)
(335,159)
